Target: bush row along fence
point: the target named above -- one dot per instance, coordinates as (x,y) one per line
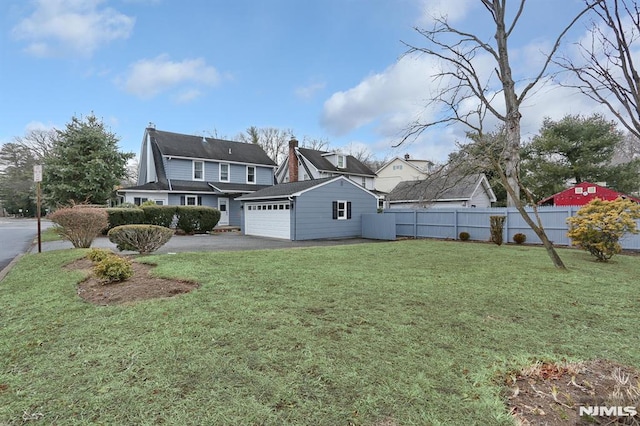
(449,222)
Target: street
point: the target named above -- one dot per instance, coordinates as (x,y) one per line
(16,236)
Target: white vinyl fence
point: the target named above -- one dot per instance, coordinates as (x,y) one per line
(449,222)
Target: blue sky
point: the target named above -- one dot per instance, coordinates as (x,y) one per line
(331,69)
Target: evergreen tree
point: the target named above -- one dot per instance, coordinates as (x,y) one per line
(576,149)
(84,164)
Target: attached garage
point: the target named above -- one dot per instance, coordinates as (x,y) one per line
(308,210)
(268,219)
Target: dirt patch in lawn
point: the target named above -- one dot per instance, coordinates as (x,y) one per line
(552,394)
(141,286)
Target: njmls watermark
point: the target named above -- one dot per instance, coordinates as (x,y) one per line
(607,411)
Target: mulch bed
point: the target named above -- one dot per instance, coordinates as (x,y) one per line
(141,286)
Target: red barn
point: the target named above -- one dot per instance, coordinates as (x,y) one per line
(581,194)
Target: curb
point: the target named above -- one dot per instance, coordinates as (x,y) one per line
(7,268)
(15,260)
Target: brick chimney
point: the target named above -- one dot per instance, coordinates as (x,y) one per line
(293,160)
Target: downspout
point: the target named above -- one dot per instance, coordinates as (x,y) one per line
(291,210)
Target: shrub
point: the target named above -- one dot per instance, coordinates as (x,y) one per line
(113,268)
(519,238)
(497,223)
(125,216)
(197,219)
(464,236)
(97,255)
(79,225)
(598,226)
(159,215)
(141,238)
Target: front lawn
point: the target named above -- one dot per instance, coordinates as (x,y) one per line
(403,333)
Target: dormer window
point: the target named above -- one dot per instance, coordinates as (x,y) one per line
(342,161)
(198,170)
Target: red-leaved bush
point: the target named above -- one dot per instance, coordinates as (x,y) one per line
(79,225)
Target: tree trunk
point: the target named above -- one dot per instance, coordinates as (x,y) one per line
(512,158)
(537,228)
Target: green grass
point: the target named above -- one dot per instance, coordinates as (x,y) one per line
(49,234)
(404,333)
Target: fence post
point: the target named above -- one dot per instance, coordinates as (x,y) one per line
(415,223)
(506,224)
(455,224)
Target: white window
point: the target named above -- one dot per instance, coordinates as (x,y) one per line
(251,174)
(591,190)
(191,200)
(198,170)
(577,190)
(159,202)
(364,182)
(341,210)
(342,162)
(224,172)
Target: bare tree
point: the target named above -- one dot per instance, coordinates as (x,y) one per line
(39,142)
(321,144)
(274,141)
(462,81)
(607,71)
(457,50)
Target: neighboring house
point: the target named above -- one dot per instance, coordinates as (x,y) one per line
(401,169)
(581,194)
(308,210)
(443,191)
(178,169)
(308,164)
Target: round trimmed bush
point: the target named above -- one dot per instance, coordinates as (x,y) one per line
(519,238)
(464,236)
(141,238)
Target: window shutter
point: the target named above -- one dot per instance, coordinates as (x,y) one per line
(348,209)
(182,202)
(335,209)
(199,200)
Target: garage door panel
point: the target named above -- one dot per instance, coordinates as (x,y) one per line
(268,219)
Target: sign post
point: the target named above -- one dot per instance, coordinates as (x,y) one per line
(37,178)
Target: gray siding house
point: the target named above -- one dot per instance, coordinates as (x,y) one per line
(442,190)
(309,164)
(308,210)
(178,169)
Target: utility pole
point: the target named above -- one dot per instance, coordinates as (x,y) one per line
(37,177)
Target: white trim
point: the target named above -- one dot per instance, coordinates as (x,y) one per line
(255,175)
(344,210)
(228,172)
(193,170)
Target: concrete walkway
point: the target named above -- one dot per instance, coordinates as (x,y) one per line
(218,242)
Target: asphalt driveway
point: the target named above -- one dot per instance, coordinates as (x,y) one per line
(218,242)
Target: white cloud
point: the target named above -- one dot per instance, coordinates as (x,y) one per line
(188,96)
(453,10)
(308,92)
(150,77)
(59,27)
(391,97)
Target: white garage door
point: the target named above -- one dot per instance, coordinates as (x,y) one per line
(269,219)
